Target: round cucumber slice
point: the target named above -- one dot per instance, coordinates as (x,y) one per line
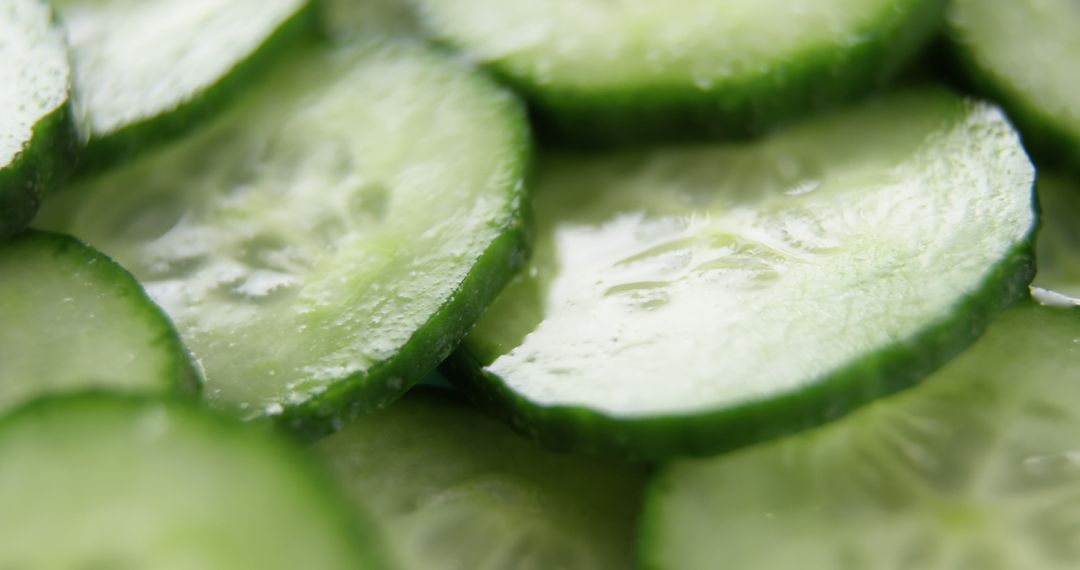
(147,70)
(977,468)
(35,126)
(455,489)
(614,72)
(1059,237)
(695,299)
(96,481)
(330,239)
(1021,51)
(73,319)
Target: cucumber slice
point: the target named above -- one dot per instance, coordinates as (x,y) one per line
(329,240)
(695,299)
(1022,52)
(975,469)
(614,72)
(74,319)
(1059,237)
(455,489)
(147,70)
(35,125)
(95,481)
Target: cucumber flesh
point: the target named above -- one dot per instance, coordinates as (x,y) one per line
(33,108)
(695,299)
(1059,237)
(148,69)
(347,18)
(976,468)
(133,483)
(639,69)
(73,319)
(455,489)
(1022,51)
(324,244)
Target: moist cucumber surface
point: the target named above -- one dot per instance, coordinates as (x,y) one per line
(1059,236)
(453,488)
(96,481)
(1022,51)
(630,70)
(976,468)
(330,239)
(146,70)
(694,299)
(34,122)
(73,319)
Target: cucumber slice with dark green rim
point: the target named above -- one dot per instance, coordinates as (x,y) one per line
(696,299)
(618,72)
(35,126)
(73,319)
(131,483)
(455,489)
(331,239)
(1022,52)
(975,469)
(147,70)
(1058,249)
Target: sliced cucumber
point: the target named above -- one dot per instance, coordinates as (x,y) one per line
(1023,52)
(35,126)
(696,299)
(146,70)
(455,489)
(975,469)
(328,241)
(1059,237)
(95,481)
(628,70)
(74,319)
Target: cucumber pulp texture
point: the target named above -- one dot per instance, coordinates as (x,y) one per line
(74,319)
(1059,236)
(674,282)
(977,468)
(137,59)
(1024,50)
(144,484)
(304,237)
(456,489)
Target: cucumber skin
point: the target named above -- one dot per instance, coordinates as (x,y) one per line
(299,456)
(645,114)
(136,138)
(435,340)
(580,429)
(38,170)
(186,381)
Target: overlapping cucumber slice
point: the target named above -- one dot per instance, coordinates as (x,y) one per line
(96,481)
(35,128)
(328,241)
(1058,279)
(72,319)
(695,299)
(453,488)
(630,70)
(977,468)
(1023,52)
(146,70)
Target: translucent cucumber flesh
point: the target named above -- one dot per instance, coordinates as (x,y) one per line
(72,319)
(456,489)
(1059,236)
(977,468)
(33,73)
(575,44)
(306,235)
(130,484)
(1025,47)
(674,282)
(136,59)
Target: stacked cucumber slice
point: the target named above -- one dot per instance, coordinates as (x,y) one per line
(257,225)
